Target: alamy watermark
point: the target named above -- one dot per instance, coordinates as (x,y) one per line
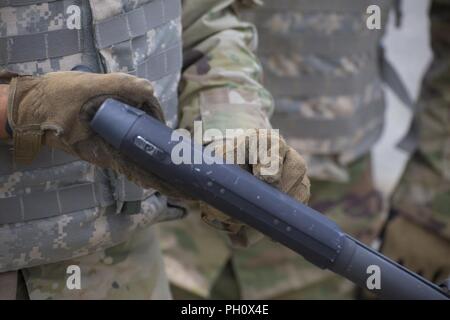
(73,20)
(73,281)
(373,281)
(373,21)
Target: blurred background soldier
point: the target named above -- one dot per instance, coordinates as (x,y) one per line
(325,68)
(418,233)
(59,211)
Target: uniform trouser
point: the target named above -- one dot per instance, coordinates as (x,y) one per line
(131,270)
(269,271)
(418,231)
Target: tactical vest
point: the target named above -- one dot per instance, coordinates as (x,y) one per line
(59,207)
(321,63)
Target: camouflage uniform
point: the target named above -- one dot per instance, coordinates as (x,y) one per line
(421,201)
(113,244)
(312,88)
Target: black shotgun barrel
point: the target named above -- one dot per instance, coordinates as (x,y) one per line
(236,192)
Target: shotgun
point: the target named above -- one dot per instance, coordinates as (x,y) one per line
(227,187)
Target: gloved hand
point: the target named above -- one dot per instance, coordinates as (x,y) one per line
(55,110)
(418,249)
(289,176)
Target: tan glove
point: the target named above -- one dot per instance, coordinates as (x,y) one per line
(290,177)
(418,249)
(55,110)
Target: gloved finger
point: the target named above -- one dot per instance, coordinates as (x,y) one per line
(294,170)
(300,190)
(132,90)
(270,166)
(269,172)
(245,237)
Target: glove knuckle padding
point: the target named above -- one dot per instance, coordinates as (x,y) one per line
(290,177)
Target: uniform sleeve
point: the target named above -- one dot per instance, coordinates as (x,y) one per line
(221,81)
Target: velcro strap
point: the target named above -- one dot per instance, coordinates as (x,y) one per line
(410,141)
(44,204)
(27,144)
(18,3)
(32,47)
(391,77)
(160,65)
(125,191)
(136,22)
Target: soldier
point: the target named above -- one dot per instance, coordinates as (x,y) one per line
(323,65)
(418,232)
(57,210)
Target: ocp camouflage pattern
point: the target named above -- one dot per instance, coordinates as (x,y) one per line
(423,194)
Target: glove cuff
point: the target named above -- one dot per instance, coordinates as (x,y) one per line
(27,138)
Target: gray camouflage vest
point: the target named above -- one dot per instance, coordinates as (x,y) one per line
(321,63)
(60,207)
